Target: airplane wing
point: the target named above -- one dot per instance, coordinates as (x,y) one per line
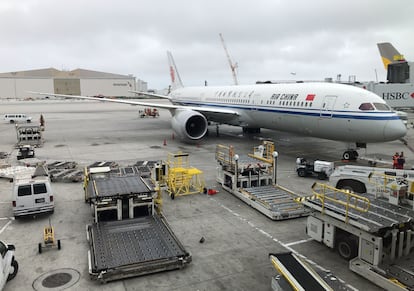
(150,94)
(202,109)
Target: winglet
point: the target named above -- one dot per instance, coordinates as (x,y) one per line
(389,54)
(175,77)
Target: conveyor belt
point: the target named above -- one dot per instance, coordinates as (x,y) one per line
(296,270)
(133,241)
(381,214)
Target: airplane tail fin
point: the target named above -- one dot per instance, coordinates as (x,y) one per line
(389,54)
(175,77)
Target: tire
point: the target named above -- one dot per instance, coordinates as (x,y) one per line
(40,248)
(347,155)
(347,247)
(351,185)
(15,267)
(11,121)
(172,196)
(301,172)
(322,176)
(59,245)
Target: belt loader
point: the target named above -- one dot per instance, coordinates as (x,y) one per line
(376,236)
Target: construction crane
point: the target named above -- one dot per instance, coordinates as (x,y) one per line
(232,66)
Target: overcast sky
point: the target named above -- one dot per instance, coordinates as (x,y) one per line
(268,39)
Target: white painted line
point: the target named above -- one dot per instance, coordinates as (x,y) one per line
(285,245)
(4,227)
(299,242)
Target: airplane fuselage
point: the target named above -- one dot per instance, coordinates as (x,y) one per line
(324,110)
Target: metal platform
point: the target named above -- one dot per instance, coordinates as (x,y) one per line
(133,247)
(275,202)
(379,214)
(113,187)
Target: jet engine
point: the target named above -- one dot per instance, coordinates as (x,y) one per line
(189,124)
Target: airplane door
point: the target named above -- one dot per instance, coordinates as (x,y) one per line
(327,106)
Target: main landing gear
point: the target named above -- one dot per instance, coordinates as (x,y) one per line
(350,155)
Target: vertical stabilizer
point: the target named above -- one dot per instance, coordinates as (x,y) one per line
(389,54)
(175,77)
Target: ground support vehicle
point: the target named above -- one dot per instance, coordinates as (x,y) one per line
(149,112)
(298,274)
(49,240)
(29,134)
(8,264)
(375,235)
(361,179)
(25,152)
(321,169)
(252,179)
(15,118)
(128,237)
(32,193)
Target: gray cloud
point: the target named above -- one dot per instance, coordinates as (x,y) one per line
(268,39)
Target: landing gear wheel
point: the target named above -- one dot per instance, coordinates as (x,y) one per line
(15,267)
(172,196)
(40,248)
(59,245)
(350,155)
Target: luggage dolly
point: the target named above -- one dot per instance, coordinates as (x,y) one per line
(49,240)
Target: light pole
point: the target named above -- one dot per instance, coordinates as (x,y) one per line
(236,171)
(275,155)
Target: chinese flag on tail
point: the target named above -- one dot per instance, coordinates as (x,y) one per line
(310,97)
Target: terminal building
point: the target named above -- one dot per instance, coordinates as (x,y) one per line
(16,85)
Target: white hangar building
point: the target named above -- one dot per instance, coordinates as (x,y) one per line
(16,85)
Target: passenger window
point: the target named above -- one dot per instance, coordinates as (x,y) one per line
(24,190)
(3,249)
(39,188)
(366,106)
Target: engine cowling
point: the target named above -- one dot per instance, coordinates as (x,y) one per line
(189,124)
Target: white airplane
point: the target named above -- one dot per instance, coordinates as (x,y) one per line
(325,110)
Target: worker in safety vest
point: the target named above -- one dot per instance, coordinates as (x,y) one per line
(395,160)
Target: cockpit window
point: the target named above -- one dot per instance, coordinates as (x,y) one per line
(382,107)
(366,106)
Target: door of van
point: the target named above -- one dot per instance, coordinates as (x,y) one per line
(24,199)
(41,195)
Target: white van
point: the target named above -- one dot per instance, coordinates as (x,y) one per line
(14,118)
(32,194)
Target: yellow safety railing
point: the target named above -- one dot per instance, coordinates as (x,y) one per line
(326,193)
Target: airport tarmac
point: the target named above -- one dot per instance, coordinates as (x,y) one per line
(238,239)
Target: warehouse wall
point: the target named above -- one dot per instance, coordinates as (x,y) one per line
(17,87)
(107,87)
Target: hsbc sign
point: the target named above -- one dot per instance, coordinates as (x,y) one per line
(397,95)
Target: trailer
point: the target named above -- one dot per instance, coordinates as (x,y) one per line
(376,236)
(29,134)
(129,236)
(252,179)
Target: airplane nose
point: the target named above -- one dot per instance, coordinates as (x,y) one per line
(394,129)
